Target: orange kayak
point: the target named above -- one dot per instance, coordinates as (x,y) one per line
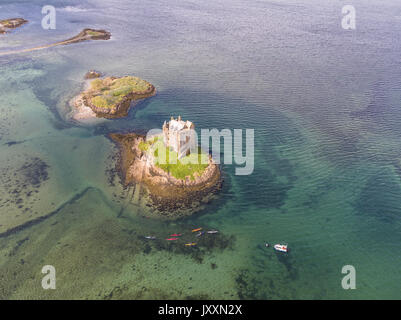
(199,229)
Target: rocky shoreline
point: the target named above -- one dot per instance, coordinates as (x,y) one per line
(80,111)
(172,198)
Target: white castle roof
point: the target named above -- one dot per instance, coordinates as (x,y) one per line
(177,125)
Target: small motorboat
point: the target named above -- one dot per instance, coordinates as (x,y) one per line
(281,247)
(190,244)
(200,233)
(150,237)
(212,231)
(176,235)
(171,239)
(195,230)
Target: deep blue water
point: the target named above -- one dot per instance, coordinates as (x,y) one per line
(325,106)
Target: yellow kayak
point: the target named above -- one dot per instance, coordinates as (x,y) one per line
(190,244)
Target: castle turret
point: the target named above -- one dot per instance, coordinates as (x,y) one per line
(180,136)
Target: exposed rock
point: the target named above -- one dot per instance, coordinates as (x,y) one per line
(92,74)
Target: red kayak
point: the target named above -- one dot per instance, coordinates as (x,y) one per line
(175,235)
(171,239)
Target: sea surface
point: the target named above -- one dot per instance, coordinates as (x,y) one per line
(325,104)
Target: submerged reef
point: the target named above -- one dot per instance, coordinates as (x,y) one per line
(20,200)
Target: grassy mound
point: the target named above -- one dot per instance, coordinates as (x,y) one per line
(108,92)
(167,159)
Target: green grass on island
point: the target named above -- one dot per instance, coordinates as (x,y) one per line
(7,23)
(108,92)
(145,145)
(167,159)
(94,33)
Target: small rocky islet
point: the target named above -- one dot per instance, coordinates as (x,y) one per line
(88,34)
(85,35)
(110,97)
(13,23)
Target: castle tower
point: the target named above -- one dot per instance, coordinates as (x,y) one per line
(179,135)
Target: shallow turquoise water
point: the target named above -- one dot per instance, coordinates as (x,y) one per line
(325,106)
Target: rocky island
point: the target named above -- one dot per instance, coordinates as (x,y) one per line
(177,187)
(88,34)
(110,97)
(11,24)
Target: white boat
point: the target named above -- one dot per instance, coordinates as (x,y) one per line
(200,234)
(281,247)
